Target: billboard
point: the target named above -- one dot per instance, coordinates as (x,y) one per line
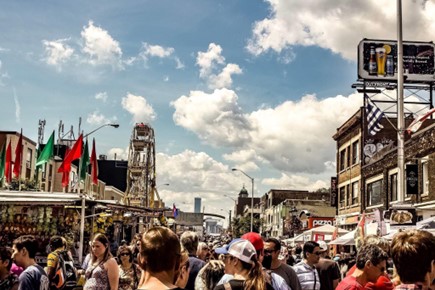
(190,219)
(377,60)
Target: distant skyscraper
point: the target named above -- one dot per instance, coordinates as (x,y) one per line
(197,205)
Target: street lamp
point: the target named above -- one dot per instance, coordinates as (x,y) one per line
(229,218)
(252,196)
(82,220)
(104,125)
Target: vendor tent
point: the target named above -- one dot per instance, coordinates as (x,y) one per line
(346,240)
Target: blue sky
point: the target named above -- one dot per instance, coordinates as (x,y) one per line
(257,85)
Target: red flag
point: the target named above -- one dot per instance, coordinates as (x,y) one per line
(418,121)
(8,163)
(65,174)
(94,164)
(75,153)
(18,155)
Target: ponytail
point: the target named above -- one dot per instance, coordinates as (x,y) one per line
(256,279)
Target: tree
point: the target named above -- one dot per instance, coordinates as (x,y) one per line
(241,225)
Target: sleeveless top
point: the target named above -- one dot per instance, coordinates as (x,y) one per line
(97,278)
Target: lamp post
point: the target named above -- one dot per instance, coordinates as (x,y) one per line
(229,219)
(83,199)
(252,196)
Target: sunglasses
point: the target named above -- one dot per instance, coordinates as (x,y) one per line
(124,254)
(317,253)
(269,251)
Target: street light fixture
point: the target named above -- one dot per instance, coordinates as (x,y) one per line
(104,125)
(252,196)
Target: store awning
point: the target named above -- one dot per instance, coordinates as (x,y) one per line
(34,197)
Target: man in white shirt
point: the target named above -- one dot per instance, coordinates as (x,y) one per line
(306,271)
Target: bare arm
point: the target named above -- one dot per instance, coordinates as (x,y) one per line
(113,273)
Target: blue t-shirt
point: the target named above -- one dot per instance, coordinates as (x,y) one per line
(34,278)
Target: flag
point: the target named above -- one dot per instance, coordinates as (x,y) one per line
(75,153)
(360,232)
(2,162)
(418,121)
(48,151)
(84,162)
(94,164)
(174,211)
(8,164)
(18,155)
(65,174)
(374,116)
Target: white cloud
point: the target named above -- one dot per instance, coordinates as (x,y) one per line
(218,122)
(3,74)
(17,107)
(291,137)
(196,174)
(338,25)
(139,108)
(296,182)
(211,61)
(96,118)
(149,50)
(121,154)
(100,47)
(57,52)
(101,96)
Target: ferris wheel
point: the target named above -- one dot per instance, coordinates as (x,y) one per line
(141,172)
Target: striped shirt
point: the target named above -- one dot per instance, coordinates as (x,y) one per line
(308,276)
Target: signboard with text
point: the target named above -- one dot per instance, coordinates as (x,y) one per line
(334,191)
(314,222)
(377,60)
(411,179)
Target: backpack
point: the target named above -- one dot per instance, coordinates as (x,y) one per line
(65,275)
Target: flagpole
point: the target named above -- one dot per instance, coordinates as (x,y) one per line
(400,109)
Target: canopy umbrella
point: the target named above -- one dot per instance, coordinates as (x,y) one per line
(346,240)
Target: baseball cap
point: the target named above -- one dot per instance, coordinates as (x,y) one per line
(255,240)
(239,248)
(323,246)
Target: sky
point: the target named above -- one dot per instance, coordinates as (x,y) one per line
(256,85)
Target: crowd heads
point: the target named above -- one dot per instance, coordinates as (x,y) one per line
(413,253)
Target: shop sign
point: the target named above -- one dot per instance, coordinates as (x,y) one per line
(401,217)
(352,219)
(411,179)
(314,222)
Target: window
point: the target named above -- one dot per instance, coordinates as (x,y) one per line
(342,159)
(355,152)
(425,177)
(349,195)
(29,158)
(355,192)
(342,196)
(348,156)
(393,187)
(374,193)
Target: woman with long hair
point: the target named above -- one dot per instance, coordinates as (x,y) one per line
(241,261)
(129,272)
(209,276)
(102,272)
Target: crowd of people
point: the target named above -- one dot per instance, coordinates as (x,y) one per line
(159,259)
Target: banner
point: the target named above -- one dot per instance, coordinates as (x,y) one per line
(334,192)
(377,60)
(411,179)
